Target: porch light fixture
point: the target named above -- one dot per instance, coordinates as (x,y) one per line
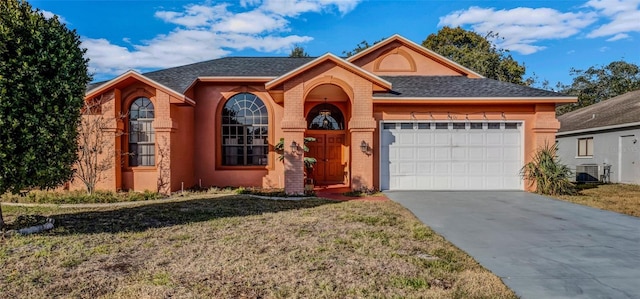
(294,147)
(364,147)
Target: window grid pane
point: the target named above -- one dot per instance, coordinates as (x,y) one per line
(141,133)
(245,131)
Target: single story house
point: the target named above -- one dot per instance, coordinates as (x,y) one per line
(394,116)
(600,142)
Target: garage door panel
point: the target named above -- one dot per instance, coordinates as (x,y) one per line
(476,154)
(494,138)
(476,139)
(494,153)
(406,139)
(459,153)
(423,168)
(425,154)
(476,168)
(424,139)
(406,168)
(441,168)
(459,139)
(407,153)
(511,139)
(442,138)
(442,153)
(473,156)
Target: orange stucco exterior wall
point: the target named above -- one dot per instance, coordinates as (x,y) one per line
(210,100)
(188,133)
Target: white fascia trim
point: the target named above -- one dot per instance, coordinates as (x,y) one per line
(236,79)
(143,77)
(599,129)
(228,79)
(373,76)
(540,99)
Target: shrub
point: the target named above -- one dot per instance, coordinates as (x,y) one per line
(549,175)
(76,197)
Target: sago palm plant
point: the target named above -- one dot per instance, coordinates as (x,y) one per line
(549,175)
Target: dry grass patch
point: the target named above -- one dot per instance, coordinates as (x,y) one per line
(237,247)
(621,198)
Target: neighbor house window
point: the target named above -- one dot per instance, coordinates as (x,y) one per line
(585,147)
(245,128)
(141,134)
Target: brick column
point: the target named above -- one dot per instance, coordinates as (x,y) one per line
(293,128)
(361,128)
(163,126)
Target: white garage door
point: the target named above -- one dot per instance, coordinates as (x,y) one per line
(451,156)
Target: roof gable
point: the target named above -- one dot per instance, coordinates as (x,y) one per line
(383,84)
(127,78)
(399,56)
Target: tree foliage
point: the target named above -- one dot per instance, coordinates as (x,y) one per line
(599,83)
(43,76)
(363,45)
(298,51)
(476,52)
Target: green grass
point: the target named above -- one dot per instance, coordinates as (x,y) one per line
(621,198)
(233,246)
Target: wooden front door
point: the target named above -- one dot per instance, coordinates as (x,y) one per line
(327,149)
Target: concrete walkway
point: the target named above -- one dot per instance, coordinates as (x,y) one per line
(540,247)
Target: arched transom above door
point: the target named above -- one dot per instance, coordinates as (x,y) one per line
(325,116)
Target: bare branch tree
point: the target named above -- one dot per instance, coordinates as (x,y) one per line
(96,147)
(163,166)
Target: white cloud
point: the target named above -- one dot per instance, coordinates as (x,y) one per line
(604,49)
(47,14)
(618,36)
(521,28)
(623,16)
(207,31)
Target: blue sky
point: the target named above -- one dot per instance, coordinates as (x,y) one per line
(549,37)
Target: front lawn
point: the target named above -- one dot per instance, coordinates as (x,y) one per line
(232,246)
(621,198)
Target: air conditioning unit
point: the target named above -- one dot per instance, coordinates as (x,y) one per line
(593,173)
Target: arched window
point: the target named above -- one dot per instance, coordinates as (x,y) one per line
(245,128)
(325,117)
(141,134)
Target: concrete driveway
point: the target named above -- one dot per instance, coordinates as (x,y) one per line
(540,247)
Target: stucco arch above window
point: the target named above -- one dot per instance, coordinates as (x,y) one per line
(395,60)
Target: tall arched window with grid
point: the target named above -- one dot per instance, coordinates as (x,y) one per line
(245,131)
(142,141)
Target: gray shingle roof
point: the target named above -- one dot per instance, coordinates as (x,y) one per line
(458,86)
(179,78)
(619,110)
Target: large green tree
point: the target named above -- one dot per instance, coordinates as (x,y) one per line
(599,83)
(476,52)
(43,76)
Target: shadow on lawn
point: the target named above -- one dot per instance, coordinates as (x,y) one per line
(140,218)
